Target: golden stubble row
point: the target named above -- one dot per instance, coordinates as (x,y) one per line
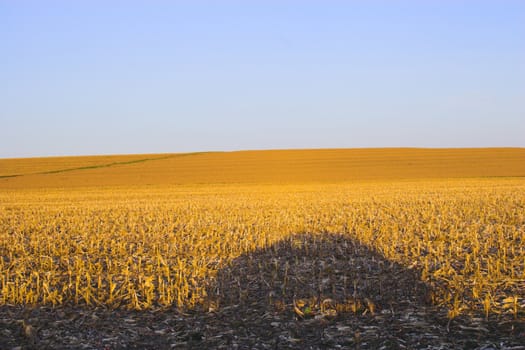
(144,247)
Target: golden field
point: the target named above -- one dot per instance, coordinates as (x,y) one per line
(155,231)
(280,166)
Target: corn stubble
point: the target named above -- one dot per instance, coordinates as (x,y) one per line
(163,246)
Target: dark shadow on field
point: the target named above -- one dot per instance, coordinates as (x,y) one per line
(307,291)
(314,268)
(318,290)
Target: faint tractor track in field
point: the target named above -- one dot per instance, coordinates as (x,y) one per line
(108,165)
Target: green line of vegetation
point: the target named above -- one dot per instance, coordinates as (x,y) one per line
(6,176)
(104,165)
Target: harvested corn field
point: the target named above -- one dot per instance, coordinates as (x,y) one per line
(395,248)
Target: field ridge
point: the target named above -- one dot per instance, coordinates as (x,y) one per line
(267,166)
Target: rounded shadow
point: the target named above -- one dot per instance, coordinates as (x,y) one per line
(317,273)
(319,291)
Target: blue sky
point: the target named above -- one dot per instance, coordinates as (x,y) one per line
(110,77)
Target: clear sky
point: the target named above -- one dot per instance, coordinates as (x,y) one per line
(110,77)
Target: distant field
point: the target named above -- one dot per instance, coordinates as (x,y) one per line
(282,166)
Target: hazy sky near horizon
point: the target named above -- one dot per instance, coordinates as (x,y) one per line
(109,77)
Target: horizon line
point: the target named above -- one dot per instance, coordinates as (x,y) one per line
(258,150)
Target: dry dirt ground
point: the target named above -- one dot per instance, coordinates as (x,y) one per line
(309,293)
